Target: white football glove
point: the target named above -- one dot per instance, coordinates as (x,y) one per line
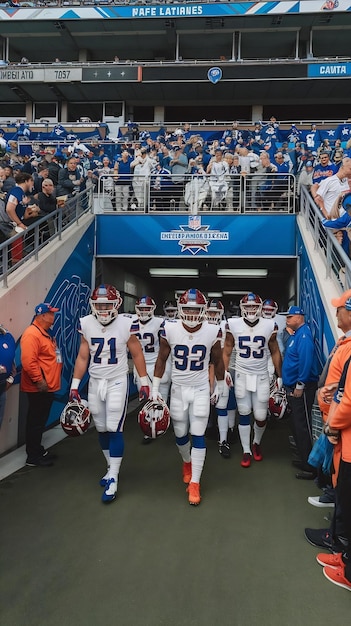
(215,394)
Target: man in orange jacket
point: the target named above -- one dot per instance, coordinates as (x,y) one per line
(333,538)
(40,378)
(337,567)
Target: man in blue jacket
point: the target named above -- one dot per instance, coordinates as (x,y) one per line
(300,375)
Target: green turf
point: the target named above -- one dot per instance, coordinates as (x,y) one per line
(150,559)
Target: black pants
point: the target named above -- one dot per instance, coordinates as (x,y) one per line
(344,494)
(39,405)
(301,422)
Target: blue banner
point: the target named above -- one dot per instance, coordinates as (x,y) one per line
(328,70)
(187,236)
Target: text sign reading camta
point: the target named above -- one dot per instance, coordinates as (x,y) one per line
(329,70)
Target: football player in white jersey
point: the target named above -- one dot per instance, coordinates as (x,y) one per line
(250,335)
(147,328)
(105,341)
(192,342)
(225,412)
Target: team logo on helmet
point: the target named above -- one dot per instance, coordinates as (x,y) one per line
(154,418)
(75,419)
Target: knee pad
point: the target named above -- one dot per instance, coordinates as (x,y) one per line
(199,441)
(222,412)
(116,444)
(244,420)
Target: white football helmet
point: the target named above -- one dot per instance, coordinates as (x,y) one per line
(145,308)
(75,418)
(269,309)
(251,307)
(105,302)
(192,306)
(215,311)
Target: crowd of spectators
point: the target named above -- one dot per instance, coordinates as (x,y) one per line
(176,169)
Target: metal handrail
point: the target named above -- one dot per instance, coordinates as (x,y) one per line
(196,193)
(33,238)
(337,263)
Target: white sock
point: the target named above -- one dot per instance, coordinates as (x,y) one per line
(258,433)
(106,454)
(245,432)
(184,452)
(107,475)
(231,418)
(115,464)
(223,427)
(197,462)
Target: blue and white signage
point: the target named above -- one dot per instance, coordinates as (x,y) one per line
(144,236)
(214,75)
(329,70)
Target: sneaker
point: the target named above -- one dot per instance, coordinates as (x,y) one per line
(246,460)
(256,451)
(321,501)
(186,472)
(43,461)
(194,493)
(337,576)
(332,560)
(224,449)
(110,492)
(321,537)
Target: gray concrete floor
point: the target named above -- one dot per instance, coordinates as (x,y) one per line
(150,559)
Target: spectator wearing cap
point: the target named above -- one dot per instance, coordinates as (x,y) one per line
(300,374)
(305,177)
(40,379)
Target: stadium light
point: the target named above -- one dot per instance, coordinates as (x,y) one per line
(167,272)
(242,273)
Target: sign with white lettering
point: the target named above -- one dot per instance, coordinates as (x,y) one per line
(329,70)
(52,75)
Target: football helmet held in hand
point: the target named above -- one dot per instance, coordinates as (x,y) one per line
(75,418)
(154,418)
(277,402)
